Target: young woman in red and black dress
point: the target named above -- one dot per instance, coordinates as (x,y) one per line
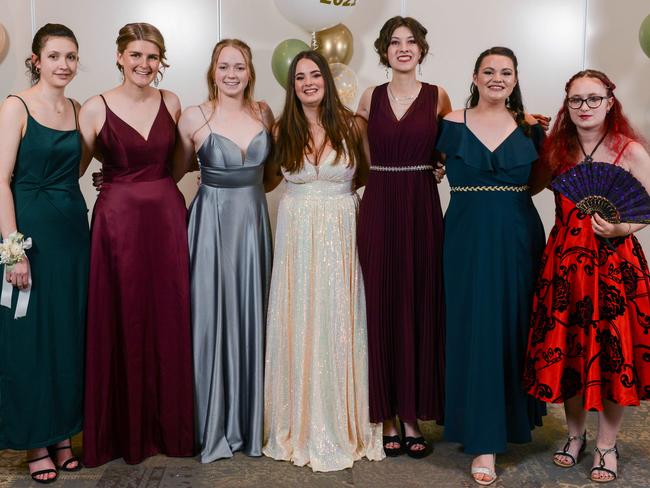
(589,345)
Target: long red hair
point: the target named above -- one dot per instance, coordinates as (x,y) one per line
(561,148)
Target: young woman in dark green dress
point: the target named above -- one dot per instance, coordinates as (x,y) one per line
(493,241)
(41,353)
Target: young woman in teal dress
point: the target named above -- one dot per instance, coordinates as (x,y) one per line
(41,353)
(493,241)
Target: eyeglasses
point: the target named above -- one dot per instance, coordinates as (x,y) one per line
(575,103)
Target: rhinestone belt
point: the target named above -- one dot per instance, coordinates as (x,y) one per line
(490,188)
(396,169)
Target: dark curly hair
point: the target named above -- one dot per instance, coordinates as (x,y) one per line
(38,43)
(386,33)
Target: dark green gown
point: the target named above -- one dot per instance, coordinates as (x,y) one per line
(42,354)
(493,242)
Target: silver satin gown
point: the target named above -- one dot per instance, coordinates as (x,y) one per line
(230,257)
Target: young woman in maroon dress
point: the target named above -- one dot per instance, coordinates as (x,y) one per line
(400,241)
(589,345)
(138,397)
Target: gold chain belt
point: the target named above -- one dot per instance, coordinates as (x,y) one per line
(490,188)
(421,167)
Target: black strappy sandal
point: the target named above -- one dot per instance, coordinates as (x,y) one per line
(415,441)
(34,475)
(392,451)
(601,466)
(64,465)
(565,451)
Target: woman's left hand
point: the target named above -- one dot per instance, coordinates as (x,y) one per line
(605,229)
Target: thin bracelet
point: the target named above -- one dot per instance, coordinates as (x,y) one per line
(629,228)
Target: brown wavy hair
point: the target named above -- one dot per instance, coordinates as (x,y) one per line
(38,43)
(245,50)
(141,31)
(292,128)
(386,34)
(561,147)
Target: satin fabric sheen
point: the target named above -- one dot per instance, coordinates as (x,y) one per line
(316,383)
(230,261)
(42,354)
(139,398)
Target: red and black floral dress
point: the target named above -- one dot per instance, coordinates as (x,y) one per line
(590,333)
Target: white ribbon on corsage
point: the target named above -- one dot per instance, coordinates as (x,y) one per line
(23,295)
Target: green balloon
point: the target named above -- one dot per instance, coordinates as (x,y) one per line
(644,36)
(283,54)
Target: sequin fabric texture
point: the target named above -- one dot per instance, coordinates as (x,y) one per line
(316,377)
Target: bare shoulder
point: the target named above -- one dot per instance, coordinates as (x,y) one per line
(94,106)
(637,154)
(455,116)
(171,100)
(360,123)
(191,119)
(266,114)
(12,107)
(364,102)
(530,120)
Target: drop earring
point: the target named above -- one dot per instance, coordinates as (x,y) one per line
(420,69)
(387,72)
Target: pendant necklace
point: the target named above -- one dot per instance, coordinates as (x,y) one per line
(589,157)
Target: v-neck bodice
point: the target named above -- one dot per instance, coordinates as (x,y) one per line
(128,156)
(409,140)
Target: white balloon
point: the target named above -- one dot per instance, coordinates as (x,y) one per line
(346,82)
(315,15)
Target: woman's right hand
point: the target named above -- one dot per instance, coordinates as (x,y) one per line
(98,179)
(19,274)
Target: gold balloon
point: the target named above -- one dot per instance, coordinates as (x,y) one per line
(3,41)
(335,44)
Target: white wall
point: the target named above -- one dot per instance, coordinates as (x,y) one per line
(548,37)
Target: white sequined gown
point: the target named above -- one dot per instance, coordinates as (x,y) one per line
(316,376)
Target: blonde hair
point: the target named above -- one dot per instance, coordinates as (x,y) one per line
(141,31)
(245,50)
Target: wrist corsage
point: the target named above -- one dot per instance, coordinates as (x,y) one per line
(12,249)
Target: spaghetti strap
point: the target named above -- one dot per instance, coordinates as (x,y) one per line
(102,96)
(23,101)
(74,109)
(618,156)
(205,118)
(465,116)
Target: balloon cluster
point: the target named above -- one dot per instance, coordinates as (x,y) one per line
(322,18)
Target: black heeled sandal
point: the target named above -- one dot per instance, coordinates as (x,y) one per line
(34,475)
(601,465)
(565,451)
(392,451)
(64,465)
(415,441)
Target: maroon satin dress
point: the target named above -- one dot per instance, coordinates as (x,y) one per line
(138,396)
(400,249)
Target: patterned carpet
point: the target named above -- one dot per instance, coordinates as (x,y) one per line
(523,466)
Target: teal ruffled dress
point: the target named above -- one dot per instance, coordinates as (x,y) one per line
(493,242)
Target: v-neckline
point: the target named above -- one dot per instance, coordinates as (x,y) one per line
(408,110)
(496,148)
(243,153)
(145,139)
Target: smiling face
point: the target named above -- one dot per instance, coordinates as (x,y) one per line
(495,78)
(231,73)
(403,52)
(140,62)
(57,61)
(309,83)
(591,90)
